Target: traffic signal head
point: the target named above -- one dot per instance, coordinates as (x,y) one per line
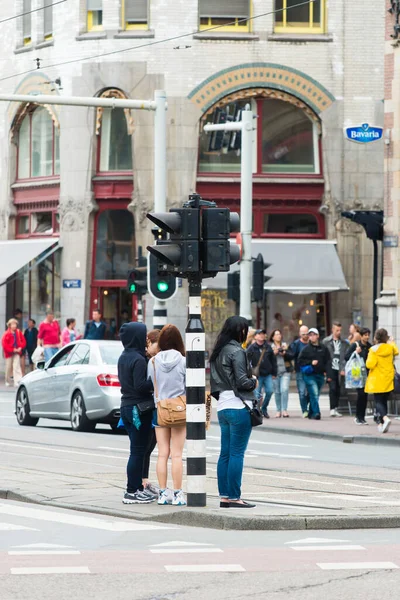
(217,253)
(137,281)
(234,286)
(371,220)
(259,279)
(162,286)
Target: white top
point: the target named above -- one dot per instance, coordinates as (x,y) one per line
(228,399)
(170,374)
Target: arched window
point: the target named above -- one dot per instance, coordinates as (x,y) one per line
(38,146)
(115,244)
(116,142)
(285,139)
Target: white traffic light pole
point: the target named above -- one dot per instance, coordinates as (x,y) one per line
(159,106)
(246,203)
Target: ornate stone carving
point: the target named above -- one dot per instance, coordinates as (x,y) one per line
(139,207)
(347,227)
(74,212)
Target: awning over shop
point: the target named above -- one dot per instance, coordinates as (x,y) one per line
(297,267)
(15,254)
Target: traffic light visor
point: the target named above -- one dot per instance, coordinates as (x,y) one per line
(169,222)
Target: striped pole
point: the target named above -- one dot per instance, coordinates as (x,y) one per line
(140,310)
(195,398)
(159,314)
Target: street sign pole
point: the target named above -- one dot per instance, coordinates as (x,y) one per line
(246,203)
(160,184)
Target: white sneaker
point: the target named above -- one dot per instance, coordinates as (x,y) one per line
(179,498)
(337,413)
(165,496)
(8,384)
(380,428)
(386,425)
(333,413)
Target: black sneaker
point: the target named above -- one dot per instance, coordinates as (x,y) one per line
(137,498)
(243,505)
(265,414)
(358,421)
(316,417)
(149,494)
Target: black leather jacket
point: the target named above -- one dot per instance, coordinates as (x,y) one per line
(231,371)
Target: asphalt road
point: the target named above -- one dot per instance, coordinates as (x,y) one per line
(56,553)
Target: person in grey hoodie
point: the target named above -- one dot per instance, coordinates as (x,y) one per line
(168,368)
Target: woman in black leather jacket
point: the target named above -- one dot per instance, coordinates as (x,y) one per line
(233,385)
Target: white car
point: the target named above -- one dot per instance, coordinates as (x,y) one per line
(79,384)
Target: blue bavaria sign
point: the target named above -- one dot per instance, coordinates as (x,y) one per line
(363,134)
(72,283)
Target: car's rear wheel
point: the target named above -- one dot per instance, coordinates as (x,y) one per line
(23,409)
(79,419)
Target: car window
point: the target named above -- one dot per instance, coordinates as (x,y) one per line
(110,353)
(80,356)
(61,359)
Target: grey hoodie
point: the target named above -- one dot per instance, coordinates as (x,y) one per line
(170,368)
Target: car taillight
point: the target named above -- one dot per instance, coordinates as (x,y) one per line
(107,380)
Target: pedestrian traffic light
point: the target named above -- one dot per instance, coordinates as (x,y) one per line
(179,254)
(137,281)
(371,220)
(161,286)
(234,286)
(259,279)
(217,252)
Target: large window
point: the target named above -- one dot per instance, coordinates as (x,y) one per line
(287,141)
(115,244)
(294,17)
(94,15)
(116,143)
(134,14)
(27,22)
(290,223)
(228,15)
(48,19)
(38,146)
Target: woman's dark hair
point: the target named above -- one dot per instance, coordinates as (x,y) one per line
(234,329)
(69,321)
(273,332)
(171,339)
(381,336)
(364,331)
(153,336)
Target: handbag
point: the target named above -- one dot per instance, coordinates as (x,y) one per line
(256,416)
(256,370)
(145,406)
(354,374)
(171,412)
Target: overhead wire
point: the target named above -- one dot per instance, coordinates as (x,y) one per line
(152,43)
(29,12)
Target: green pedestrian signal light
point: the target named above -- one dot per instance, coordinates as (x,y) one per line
(162,286)
(132,288)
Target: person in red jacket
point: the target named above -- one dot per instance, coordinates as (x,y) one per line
(13,343)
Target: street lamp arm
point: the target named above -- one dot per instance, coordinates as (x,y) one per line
(80,101)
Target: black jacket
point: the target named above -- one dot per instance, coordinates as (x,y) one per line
(295,349)
(319,353)
(364,350)
(132,365)
(31,339)
(92,332)
(231,371)
(328,342)
(268,363)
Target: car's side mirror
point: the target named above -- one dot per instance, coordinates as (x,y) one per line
(41,364)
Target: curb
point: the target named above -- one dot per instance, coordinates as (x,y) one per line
(195,518)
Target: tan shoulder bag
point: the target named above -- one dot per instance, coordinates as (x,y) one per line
(171,412)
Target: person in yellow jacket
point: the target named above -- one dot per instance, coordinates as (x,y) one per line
(380,381)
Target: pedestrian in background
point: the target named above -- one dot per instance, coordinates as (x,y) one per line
(96,328)
(49,336)
(284,368)
(69,333)
(232,385)
(362,348)
(314,362)
(337,350)
(167,370)
(19,317)
(250,338)
(31,335)
(295,349)
(380,381)
(354,333)
(151,351)
(263,361)
(136,389)
(13,343)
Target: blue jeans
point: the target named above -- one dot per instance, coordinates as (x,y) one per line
(235,433)
(49,353)
(314,384)
(139,443)
(281,389)
(302,389)
(265,383)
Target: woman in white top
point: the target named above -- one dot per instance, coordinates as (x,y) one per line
(168,367)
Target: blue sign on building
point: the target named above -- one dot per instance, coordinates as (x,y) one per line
(72,283)
(363,134)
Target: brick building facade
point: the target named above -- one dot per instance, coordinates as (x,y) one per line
(85,177)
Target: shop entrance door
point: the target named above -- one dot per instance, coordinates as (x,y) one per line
(117,307)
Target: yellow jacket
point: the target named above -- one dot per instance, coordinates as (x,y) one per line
(380,363)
